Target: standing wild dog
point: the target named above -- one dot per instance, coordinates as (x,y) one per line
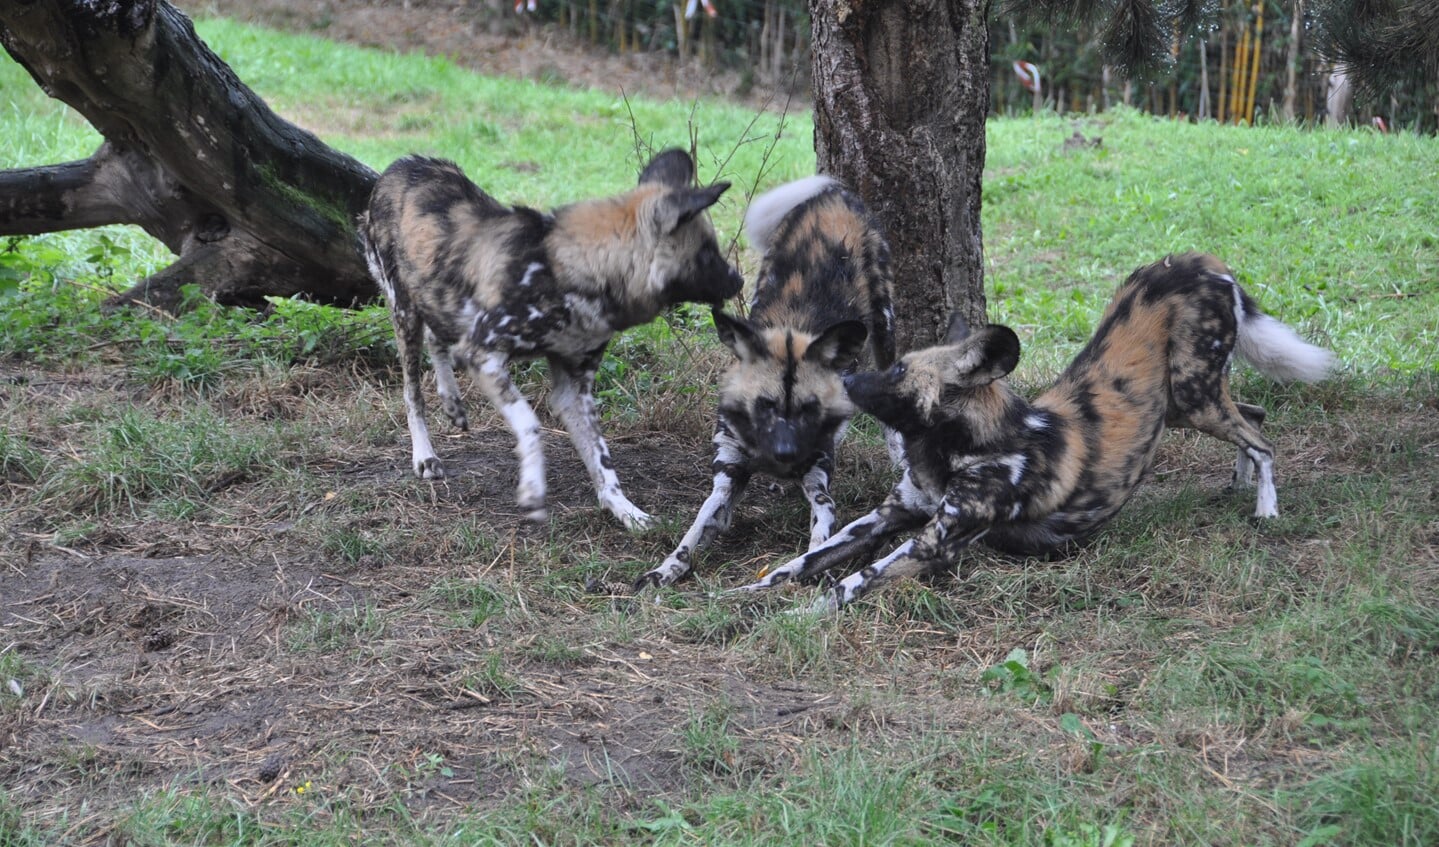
(486,283)
(823,290)
(1031,479)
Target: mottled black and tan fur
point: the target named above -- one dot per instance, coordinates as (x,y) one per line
(1034,478)
(821,309)
(483,284)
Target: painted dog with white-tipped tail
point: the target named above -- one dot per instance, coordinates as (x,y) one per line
(822,308)
(1034,478)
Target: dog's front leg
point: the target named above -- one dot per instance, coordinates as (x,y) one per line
(821,504)
(572,400)
(858,539)
(963,517)
(492,373)
(731,475)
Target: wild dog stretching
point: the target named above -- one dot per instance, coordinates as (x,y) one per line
(823,290)
(1036,478)
(486,283)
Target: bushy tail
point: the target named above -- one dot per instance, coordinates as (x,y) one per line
(1276,350)
(767,210)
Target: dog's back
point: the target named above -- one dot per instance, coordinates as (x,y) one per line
(1160,356)
(449,245)
(825,262)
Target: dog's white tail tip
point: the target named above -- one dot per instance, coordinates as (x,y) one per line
(1277,351)
(767,210)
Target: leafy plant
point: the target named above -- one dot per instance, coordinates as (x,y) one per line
(1014,677)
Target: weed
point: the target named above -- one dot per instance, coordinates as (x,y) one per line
(1014,677)
(553,650)
(707,741)
(493,681)
(472,602)
(331,631)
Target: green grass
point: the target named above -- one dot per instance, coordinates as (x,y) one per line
(1190,678)
(1327,229)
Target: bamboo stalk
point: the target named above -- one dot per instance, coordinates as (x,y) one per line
(1223,113)
(1254,63)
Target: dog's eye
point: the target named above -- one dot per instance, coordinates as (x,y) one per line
(898,371)
(765,406)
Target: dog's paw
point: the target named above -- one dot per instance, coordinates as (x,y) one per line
(666,574)
(637,521)
(455,411)
(535,511)
(429,468)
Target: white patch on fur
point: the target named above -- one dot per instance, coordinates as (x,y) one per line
(576,410)
(529,278)
(767,210)
(1275,349)
(850,587)
(913,497)
(816,490)
(1016,464)
(1266,504)
(1036,421)
(492,374)
(377,272)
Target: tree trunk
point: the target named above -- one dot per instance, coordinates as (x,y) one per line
(1290,108)
(901,93)
(251,204)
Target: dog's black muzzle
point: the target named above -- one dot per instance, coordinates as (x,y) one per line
(784,442)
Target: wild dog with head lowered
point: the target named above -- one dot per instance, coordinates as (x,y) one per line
(823,291)
(485,283)
(1036,478)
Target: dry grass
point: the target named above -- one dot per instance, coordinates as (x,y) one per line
(325,620)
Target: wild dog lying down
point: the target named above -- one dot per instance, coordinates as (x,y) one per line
(486,283)
(1034,478)
(823,290)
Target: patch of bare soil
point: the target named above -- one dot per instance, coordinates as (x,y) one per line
(494,42)
(252,649)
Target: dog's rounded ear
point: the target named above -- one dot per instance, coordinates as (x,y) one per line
(840,346)
(740,336)
(676,208)
(691,203)
(673,167)
(958,329)
(999,353)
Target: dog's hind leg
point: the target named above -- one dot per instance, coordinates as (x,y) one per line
(1215,413)
(572,400)
(445,383)
(492,373)
(731,476)
(1243,465)
(409,330)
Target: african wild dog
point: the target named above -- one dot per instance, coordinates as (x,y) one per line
(486,283)
(823,290)
(1033,479)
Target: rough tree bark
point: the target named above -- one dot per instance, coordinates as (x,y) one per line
(251,204)
(901,93)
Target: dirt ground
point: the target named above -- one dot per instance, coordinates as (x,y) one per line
(501,44)
(168,645)
(173,655)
